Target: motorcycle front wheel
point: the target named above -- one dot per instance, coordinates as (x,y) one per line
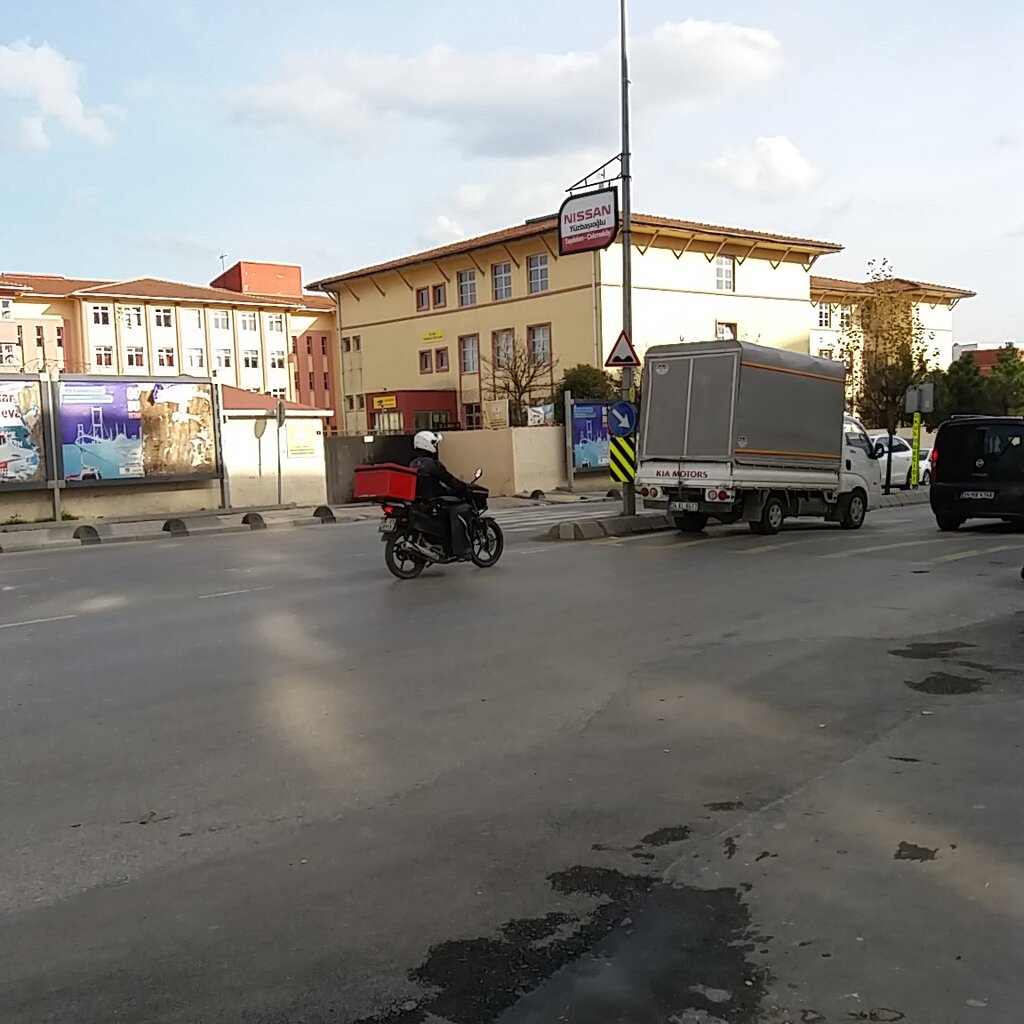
(488,544)
(400,559)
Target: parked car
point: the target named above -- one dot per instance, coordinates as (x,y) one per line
(978,470)
(924,467)
(902,458)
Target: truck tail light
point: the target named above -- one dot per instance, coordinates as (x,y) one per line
(645,492)
(654,492)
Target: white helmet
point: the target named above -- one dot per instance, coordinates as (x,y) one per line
(427,441)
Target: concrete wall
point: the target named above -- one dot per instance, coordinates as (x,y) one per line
(539,458)
(251,461)
(462,451)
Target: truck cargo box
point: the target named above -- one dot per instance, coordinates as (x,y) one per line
(730,401)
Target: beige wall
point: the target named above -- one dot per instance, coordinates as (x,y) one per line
(251,462)
(518,460)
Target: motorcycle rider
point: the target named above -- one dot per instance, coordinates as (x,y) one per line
(435,483)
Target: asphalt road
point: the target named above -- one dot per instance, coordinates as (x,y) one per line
(253,779)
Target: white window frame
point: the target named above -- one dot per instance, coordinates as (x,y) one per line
(720,330)
(247,322)
(279,393)
(503,340)
(166,357)
(275,323)
(278,359)
(101,316)
(223,358)
(501,280)
(251,359)
(220,320)
(469,343)
(163,316)
(825,315)
(199,318)
(192,362)
(6,309)
(467,287)
(135,357)
(845,317)
(537,281)
(103,355)
(725,273)
(132,316)
(533,335)
(10,354)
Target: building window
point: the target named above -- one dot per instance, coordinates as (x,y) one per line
(441,360)
(350,403)
(275,323)
(501,276)
(824,314)
(40,336)
(357,342)
(277,359)
(537,273)
(136,356)
(346,344)
(132,316)
(6,309)
(309,344)
(438,293)
(195,318)
(196,358)
(826,353)
(422,299)
(845,317)
(469,353)
(162,318)
(323,344)
(9,355)
(165,357)
(361,401)
(467,287)
(278,393)
(101,315)
(220,320)
(21,335)
(327,383)
(247,321)
(426,362)
(725,332)
(312,384)
(223,357)
(430,420)
(503,347)
(103,355)
(725,273)
(60,336)
(251,359)
(473,416)
(538,341)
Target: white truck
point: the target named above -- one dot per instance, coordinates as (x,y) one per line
(732,431)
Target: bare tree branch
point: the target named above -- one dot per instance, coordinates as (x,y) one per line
(515,372)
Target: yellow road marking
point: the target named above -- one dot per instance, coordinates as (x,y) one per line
(974,552)
(852,552)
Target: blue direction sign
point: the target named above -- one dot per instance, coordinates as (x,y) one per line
(621,419)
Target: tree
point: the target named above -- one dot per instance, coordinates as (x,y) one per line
(518,372)
(1006,382)
(886,350)
(586,384)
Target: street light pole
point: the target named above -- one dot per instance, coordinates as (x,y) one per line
(628,490)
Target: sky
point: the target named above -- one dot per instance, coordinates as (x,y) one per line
(151,137)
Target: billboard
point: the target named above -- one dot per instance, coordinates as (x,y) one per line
(136,430)
(588,221)
(22,444)
(590,436)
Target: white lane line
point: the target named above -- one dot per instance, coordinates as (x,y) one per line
(36,622)
(959,556)
(233,593)
(12,572)
(853,552)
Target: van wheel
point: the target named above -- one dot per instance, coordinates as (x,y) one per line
(950,523)
(691,522)
(773,515)
(854,511)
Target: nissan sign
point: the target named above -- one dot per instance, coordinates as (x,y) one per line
(589,221)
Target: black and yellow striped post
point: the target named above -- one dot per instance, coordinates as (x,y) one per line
(622,459)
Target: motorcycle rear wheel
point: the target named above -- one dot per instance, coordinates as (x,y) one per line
(488,542)
(400,560)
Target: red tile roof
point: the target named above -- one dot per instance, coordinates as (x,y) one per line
(834,285)
(238,400)
(543,225)
(48,285)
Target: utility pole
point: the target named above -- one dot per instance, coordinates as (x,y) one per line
(628,489)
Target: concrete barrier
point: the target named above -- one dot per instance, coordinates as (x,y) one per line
(38,540)
(119,533)
(204,526)
(276,520)
(613,526)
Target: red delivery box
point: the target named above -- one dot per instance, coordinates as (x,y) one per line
(385,482)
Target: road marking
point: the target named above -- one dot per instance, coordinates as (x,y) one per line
(233,593)
(958,556)
(851,553)
(37,622)
(11,572)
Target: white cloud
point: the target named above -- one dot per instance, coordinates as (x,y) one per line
(509,103)
(773,166)
(48,82)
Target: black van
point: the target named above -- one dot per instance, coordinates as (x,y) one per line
(977,469)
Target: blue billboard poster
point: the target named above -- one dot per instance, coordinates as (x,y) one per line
(590,436)
(22,454)
(101,430)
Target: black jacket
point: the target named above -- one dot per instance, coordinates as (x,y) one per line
(433,480)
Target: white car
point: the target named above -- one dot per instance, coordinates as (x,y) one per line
(902,458)
(924,471)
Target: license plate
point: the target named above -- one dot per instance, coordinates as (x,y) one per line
(978,495)
(684,506)
(388,525)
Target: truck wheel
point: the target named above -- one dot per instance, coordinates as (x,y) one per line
(691,522)
(854,511)
(948,523)
(772,517)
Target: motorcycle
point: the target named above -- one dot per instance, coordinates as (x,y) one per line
(418,533)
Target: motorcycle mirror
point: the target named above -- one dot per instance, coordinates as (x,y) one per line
(479,473)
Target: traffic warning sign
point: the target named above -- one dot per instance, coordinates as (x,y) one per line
(622,354)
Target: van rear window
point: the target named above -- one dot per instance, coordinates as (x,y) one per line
(993,451)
